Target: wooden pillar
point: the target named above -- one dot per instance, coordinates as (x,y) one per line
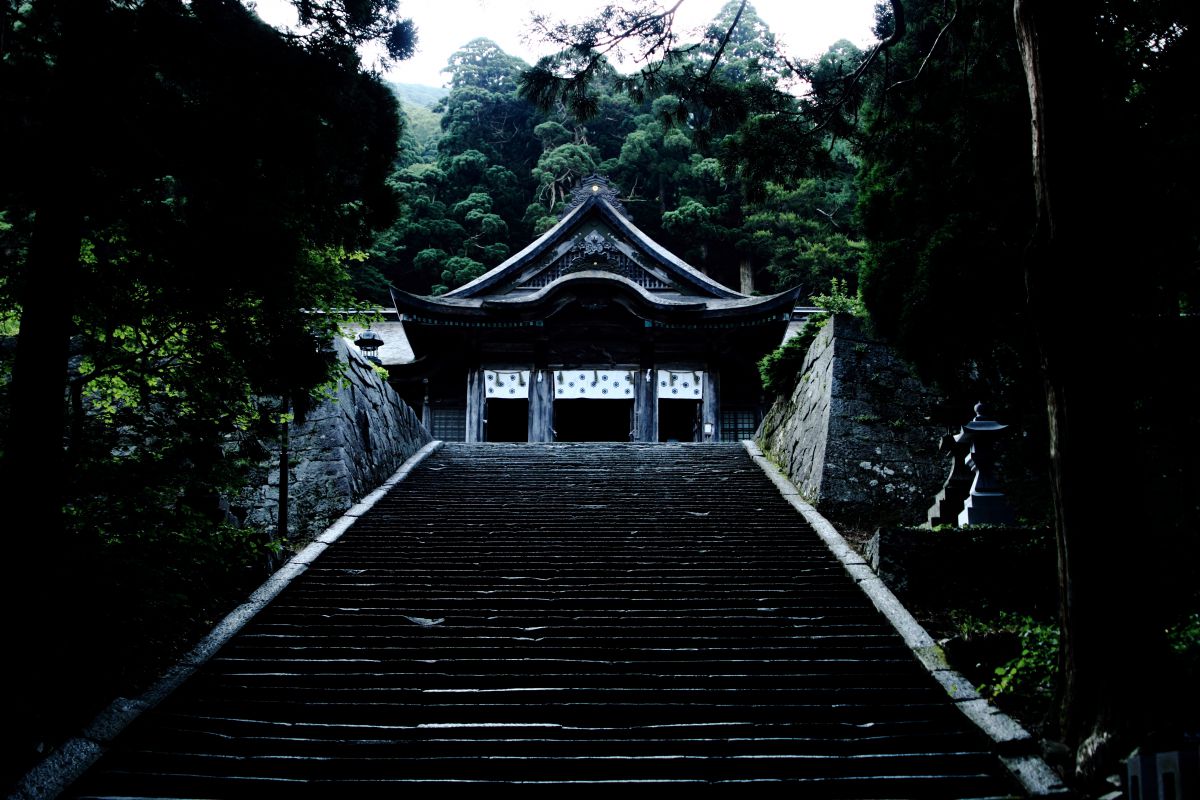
(711,407)
(541,405)
(476,403)
(646,387)
(645,406)
(426,408)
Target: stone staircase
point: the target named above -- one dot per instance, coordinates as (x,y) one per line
(565,613)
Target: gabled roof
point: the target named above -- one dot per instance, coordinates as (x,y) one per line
(595,201)
(595,245)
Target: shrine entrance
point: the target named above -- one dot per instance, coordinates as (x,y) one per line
(507,420)
(592,333)
(593,420)
(678,420)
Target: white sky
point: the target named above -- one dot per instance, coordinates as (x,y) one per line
(806,28)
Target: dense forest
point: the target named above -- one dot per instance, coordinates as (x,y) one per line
(495,171)
(184,186)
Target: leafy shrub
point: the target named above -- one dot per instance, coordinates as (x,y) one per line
(840,301)
(1185,637)
(1033,672)
(780,369)
(1184,641)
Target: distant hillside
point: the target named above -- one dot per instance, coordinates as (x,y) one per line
(414,94)
(423,125)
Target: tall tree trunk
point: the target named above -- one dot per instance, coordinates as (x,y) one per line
(41,561)
(746,275)
(34,454)
(33,472)
(1106,601)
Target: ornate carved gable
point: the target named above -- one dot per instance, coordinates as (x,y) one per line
(595,234)
(593,251)
(595,186)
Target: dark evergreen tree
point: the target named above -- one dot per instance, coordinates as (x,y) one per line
(1112,75)
(943,198)
(465,212)
(189,182)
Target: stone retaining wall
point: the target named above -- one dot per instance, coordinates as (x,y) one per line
(856,436)
(346,447)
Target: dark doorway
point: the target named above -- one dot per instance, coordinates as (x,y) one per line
(678,420)
(507,421)
(592,420)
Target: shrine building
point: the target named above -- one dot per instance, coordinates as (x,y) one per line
(594,332)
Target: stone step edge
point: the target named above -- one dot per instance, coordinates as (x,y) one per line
(65,765)
(1017,748)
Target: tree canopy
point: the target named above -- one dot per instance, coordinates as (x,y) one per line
(184,187)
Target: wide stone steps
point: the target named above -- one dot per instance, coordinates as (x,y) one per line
(562,614)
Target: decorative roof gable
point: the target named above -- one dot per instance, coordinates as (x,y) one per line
(594,251)
(595,186)
(596,235)
(592,257)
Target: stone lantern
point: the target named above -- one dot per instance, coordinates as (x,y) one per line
(985,504)
(949,501)
(368,342)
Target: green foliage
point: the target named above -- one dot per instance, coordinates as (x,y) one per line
(182,245)
(840,301)
(1034,671)
(369,283)
(726,160)
(422,133)
(944,199)
(751,53)
(10,322)
(338,25)
(559,169)
(459,270)
(1184,637)
(552,134)
(467,198)
(673,151)
(780,369)
(238,205)
(806,232)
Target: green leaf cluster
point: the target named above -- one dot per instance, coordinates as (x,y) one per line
(781,369)
(1034,671)
(840,301)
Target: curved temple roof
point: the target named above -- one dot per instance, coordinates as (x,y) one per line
(595,249)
